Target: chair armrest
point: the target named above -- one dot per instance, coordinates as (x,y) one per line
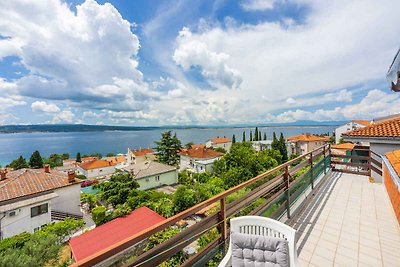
(226,261)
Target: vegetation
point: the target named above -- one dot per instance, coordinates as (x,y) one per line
(55,160)
(168,148)
(36,160)
(189,145)
(39,249)
(18,163)
(78,157)
(233,139)
(244,137)
(110,155)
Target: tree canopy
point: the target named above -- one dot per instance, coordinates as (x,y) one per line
(19,163)
(36,160)
(168,148)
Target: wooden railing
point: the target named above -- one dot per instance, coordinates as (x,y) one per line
(278,185)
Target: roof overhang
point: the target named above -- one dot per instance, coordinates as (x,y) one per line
(26,202)
(378,140)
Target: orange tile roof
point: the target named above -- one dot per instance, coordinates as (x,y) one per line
(394,159)
(347,146)
(142,152)
(201,146)
(95,164)
(115,160)
(390,128)
(88,158)
(220,140)
(201,153)
(27,182)
(308,138)
(362,122)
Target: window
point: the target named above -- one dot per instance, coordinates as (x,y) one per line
(157,178)
(38,210)
(147,180)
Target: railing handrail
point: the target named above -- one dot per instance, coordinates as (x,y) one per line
(134,239)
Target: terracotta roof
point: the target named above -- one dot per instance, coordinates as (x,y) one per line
(149,168)
(394,159)
(198,146)
(347,146)
(389,128)
(116,159)
(88,158)
(220,140)
(308,138)
(201,153)
(113,232)
(27,182)
(142,152)
(95,164)
(362,122)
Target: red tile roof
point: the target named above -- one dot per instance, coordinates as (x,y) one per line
(220,140)
(95,164)
(142,152)
(116,159)
(201,153)
(27,182)
(390,128)
(362,122)
(394,159)
(113,232)
(308,138)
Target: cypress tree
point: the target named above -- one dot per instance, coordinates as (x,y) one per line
(244,136)
(265,136)
(233,139)
(251,136)
(256,134)
(282,148)
(275,143)
(78,157)
(36,160)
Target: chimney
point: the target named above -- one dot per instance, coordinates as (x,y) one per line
(71,176)
(3,175)
(47,168)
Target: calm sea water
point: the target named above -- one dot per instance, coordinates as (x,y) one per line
(14,145)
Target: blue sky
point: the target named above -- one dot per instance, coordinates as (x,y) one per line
(223,62)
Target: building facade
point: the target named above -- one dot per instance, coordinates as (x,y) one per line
(219,142)
(302,144)
(350,126)
(98,168)
(198,160)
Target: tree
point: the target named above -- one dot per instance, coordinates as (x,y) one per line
(65,155)
(251,136)
(256,134)
(110,155)
(99,215)
(18,163)
(265,136)
(189,145)
(78,157)
(275,143)
(233,139)
(36,160)
(244,136)
(168,148)
(282,148)
(184,198)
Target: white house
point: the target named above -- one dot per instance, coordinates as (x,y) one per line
(350,126)
(29,196)
(304,143)
(198,159)
(151,174)
(139,155)
(219,142)
(261,145)
(96,168)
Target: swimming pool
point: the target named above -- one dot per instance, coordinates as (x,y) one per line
(89,190)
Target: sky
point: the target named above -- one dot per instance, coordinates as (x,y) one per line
(181,62)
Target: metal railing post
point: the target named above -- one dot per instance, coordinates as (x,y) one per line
(287,192)
(311,171)
(223,226)
(324,161)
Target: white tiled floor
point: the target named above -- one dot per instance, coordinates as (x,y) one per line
(355,227)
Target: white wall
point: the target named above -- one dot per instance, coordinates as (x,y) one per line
(350,126)
(22,222)
(93,173)
(68,199)
(166,178)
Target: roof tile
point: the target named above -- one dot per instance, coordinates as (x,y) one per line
(390,128)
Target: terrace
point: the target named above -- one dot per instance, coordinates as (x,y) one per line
(341,216)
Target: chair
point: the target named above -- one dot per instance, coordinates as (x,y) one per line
(256,225)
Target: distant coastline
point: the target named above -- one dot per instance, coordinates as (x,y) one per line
(58,128)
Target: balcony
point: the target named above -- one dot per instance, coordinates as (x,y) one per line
(342,218)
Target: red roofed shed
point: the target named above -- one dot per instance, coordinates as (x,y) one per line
(112,232)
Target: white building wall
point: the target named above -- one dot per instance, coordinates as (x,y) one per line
(184,163)
(93,173)
(22,222)
(167,178)
(350,126)
(68,199)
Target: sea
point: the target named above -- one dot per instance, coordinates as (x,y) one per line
(12,145)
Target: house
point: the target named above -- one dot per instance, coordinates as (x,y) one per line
(198,159)
(219,142)
(117,161)
(151,174)
(304,143)
(261,145)
(72,161)
(113,232)
(96,168)
(391,179)
(28,197)
(140,155)
(351,125)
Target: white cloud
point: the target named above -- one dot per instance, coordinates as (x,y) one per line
(214,66)
(9,102)
(44,107)
(256,5)
(64,116)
